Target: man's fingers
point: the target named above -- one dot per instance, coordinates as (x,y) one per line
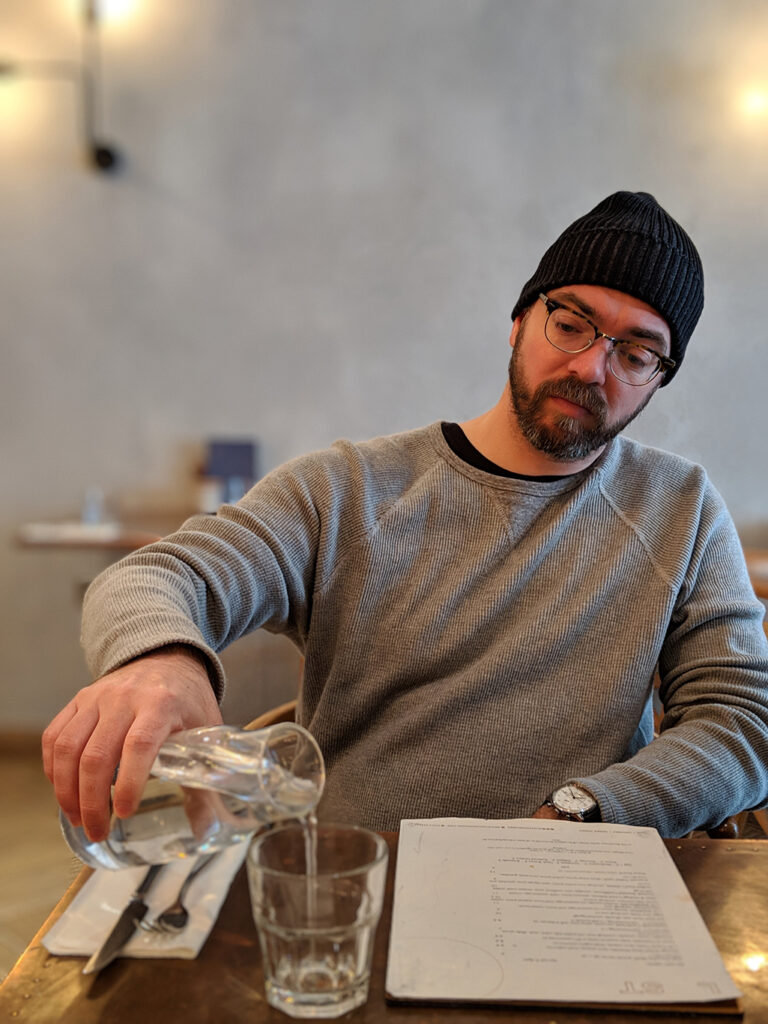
(140,748)
(51,734)
(98,761)
(67,750)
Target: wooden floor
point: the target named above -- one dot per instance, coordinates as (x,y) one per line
(35,863)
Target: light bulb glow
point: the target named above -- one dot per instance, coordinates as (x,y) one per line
(116,10)
(107,11)
(754,102)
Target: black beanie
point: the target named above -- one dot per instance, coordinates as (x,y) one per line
(628,242)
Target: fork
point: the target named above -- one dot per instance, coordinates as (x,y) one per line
(175,916)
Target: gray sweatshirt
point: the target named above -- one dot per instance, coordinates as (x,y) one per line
(473,641)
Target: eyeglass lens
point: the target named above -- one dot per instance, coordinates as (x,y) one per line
(570,332)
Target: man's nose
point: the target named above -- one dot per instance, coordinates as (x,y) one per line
(591,364)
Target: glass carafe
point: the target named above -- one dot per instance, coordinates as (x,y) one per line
(211,787)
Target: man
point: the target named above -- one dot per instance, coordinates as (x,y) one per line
(482,607)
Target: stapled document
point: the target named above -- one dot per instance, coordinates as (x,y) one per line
(533,911)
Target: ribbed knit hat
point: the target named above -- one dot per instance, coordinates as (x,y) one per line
(628,242)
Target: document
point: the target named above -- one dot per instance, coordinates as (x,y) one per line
(532,911)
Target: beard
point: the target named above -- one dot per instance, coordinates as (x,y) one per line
(566,439)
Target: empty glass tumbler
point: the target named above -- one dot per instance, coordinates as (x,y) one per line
(317,893)
(211,787)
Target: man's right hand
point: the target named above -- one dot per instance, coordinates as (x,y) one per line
(124,718)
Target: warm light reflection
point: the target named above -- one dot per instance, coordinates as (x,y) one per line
(115,10)
(754,961)
(754,102)
(35,115)
(107,10)
(14,107)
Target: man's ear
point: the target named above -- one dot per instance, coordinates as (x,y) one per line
(516,324)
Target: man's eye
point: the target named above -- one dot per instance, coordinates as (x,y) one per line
(570,325)
(634,357)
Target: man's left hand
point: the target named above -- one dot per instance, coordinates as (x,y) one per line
(546,811)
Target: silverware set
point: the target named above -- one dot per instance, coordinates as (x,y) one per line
(175,916)
(170,921)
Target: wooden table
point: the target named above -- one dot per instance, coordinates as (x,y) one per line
(224,985)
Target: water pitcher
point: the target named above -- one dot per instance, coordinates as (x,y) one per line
(210,787)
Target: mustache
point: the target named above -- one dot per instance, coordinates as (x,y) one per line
(572,390)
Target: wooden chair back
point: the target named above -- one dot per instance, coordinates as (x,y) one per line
(282,713)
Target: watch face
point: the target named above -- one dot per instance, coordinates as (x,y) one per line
(573,800)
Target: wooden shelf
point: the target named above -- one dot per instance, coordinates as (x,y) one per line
(74,535)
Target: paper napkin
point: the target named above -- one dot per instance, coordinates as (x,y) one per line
(94,911)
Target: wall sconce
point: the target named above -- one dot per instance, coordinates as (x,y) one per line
(85,75)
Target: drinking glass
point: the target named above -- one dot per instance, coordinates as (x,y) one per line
(316,893)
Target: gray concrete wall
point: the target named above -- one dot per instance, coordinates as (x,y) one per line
(325,217)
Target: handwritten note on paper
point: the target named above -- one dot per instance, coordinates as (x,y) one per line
(546,911)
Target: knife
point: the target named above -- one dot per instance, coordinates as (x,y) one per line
(126,925)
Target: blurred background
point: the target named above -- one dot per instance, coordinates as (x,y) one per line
(319,221)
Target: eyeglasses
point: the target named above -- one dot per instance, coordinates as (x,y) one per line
(628,361)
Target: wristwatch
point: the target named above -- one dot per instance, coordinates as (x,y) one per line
(573,803)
